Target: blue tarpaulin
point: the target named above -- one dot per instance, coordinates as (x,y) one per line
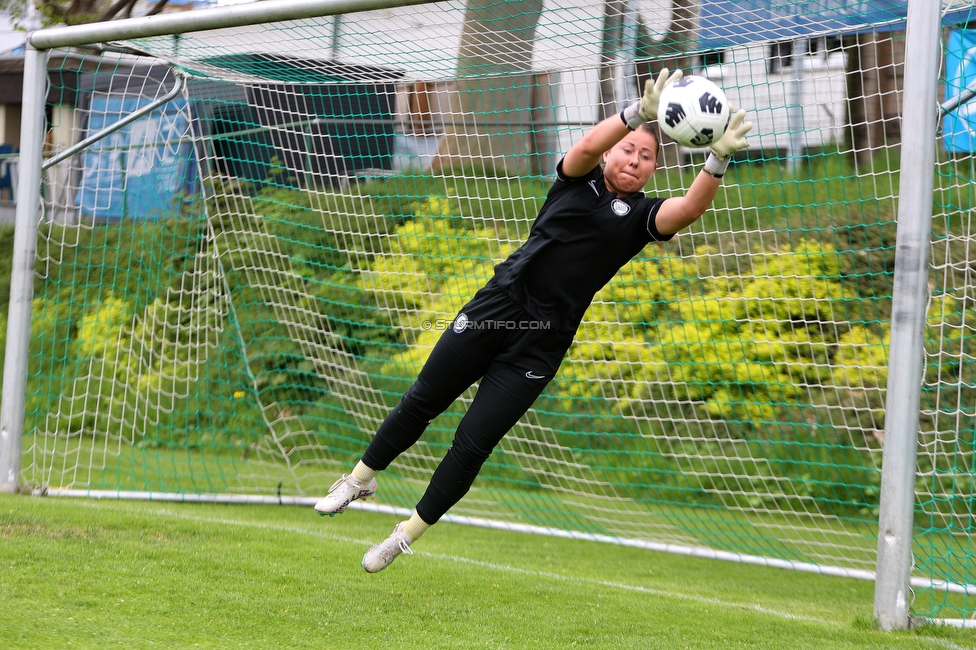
(140,170)
(723,21)
(959,126)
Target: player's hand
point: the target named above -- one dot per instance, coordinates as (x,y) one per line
(652,93)
(733,139)
(646,109)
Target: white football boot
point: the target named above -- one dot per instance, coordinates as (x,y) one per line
(382,555)
(343,492)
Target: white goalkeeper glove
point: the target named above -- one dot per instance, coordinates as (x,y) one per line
(732,140)
(645,110)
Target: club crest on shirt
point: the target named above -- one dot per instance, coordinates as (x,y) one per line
(460,323)
(620,208)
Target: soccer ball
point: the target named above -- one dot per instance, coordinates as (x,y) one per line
(693,111)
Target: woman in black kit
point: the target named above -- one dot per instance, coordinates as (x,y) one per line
(515,331)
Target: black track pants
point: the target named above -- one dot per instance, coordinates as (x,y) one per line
(515,356)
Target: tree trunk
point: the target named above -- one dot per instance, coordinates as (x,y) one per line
(671,52)
(613,26)
(875,76)
(491,126)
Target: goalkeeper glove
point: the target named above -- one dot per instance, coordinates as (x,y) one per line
(645,110)
(732,140)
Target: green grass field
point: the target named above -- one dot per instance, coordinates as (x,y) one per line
(98,574)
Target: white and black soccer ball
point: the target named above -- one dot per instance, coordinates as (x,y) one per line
(693,111)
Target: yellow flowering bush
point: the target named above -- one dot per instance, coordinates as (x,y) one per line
(861,359)
(742,346)
(611,370)
(103,329)
(432,316)
(612,359)
(948,326)
(424,253)
(131,370)
(434,266)
(750,343)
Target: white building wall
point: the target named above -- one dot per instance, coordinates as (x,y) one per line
(765,96)
(424,46)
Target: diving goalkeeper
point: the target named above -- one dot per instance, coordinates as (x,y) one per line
(594,220)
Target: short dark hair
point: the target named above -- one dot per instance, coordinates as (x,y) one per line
(651,127)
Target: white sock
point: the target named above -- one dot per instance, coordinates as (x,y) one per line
(415,527)
(362,473)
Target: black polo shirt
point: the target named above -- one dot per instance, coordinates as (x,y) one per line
(581,238)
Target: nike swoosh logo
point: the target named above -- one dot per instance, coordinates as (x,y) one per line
(592,185)
(531,375)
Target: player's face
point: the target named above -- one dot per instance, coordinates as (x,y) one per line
(629,164)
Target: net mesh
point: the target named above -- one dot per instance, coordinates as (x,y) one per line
(232,292)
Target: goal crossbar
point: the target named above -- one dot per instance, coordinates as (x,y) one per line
(205,19)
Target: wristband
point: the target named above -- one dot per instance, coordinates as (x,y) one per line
(716,166)
(631,116)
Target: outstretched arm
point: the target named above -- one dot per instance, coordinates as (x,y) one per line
(585,154)
(681,211)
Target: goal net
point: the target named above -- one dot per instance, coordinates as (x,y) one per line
(232,291)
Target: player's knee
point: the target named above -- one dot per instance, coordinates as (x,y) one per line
(469,458)
(414,408)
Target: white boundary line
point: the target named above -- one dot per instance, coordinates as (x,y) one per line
(677,549)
